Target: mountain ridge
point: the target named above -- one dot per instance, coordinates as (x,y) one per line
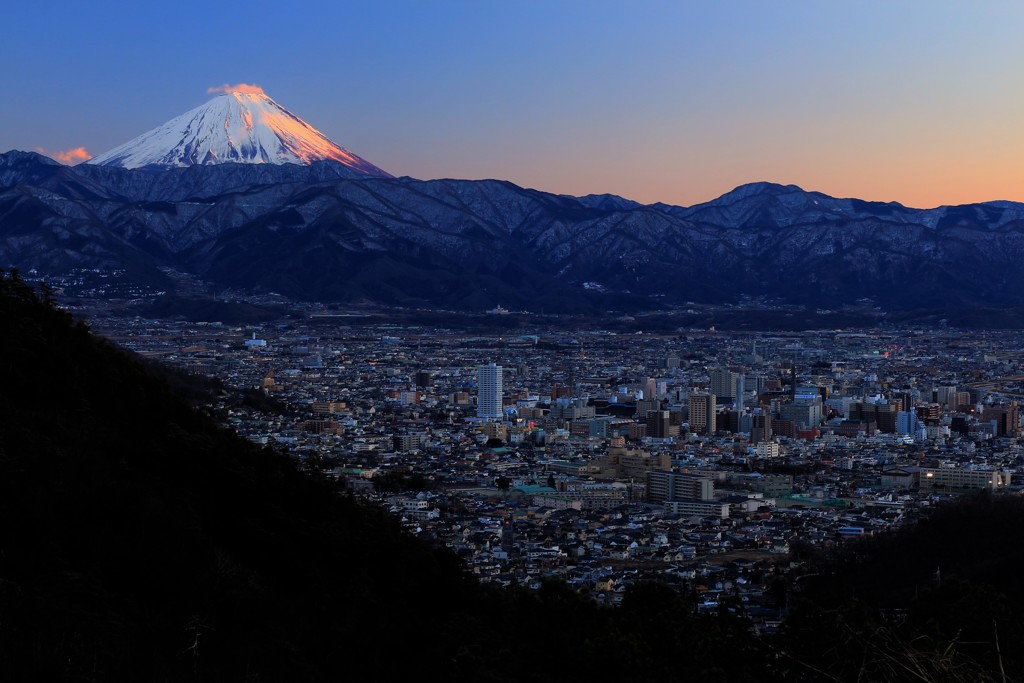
(321,232)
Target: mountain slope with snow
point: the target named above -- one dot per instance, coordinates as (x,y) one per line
(324,232)
(235,127)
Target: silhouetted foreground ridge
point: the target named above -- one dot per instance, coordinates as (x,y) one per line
(141,542)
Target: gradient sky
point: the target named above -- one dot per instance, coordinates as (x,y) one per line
(917,102)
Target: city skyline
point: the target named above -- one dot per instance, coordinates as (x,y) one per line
(675,103)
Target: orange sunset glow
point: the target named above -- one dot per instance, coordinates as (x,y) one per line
(69,156)
(241,88)
(918,103)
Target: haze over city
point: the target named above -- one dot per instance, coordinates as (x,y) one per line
(918,103)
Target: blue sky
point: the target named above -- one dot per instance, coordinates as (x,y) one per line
(918,102)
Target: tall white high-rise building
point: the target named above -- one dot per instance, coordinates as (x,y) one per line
(488,391)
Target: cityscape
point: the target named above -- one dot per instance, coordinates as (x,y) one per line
(559,342)
(699,457)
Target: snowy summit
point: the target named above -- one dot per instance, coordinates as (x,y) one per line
(242,125)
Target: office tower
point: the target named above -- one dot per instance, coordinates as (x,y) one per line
(702,413)
(658,423)
(650,389)
(904,400)
(762,429)
(806,408)
(907,423)
(885,416)
(727,386)
(959,400)
(642,406)
(1006,417)
(943,395)
(488,391)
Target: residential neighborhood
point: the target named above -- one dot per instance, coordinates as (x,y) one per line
(712,461)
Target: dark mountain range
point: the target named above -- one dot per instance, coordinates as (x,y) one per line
(319,232)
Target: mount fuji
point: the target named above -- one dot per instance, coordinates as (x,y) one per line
(239,126)
(240,194)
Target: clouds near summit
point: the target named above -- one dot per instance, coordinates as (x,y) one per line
(242,88)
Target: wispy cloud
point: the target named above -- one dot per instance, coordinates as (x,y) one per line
(243,88)
(68,156)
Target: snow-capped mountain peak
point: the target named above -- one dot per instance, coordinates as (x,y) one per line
(242,125)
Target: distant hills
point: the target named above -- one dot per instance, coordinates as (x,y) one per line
(326,232)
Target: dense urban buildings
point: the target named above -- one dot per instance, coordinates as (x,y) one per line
(599,456)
